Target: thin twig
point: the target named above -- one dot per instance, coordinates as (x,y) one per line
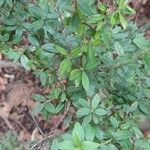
(62,117)
(54,131)
(135,57)
(74,3)
(60,16)
(40,130)
(51,136)
(8,123)
(88,25)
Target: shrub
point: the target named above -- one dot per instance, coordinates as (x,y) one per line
(100,60)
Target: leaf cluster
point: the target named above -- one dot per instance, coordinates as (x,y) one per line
(103,59)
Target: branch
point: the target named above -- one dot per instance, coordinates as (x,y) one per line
(55,131)
(135,57)
(40,130)
(52,135)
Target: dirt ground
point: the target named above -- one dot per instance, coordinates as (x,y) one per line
(17,86)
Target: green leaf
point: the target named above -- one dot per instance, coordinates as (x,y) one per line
(119,49)
(137,132)
(59,108)
(122,3)
(65,66)
(114,122)
(95,119)
(15,56)
(84,7)
(84,102)
(134,106)
(37,25)
(106,36)
(87,119)
(83,112)
(50,107)
(24,61)
(89,132)
(76,138)
(35,10)
(33,40)
(61,50)
(91,65)
(63,97)
(6,36)
(76,53)
(55,144)
(130,10)
(78,128)
(85,81)
(38,108)
(94,19)
(1,2)
(100,111)
(91,54)
(38,98)
(139,143)
(49,47)
(95,101)
(141,42)
(147,59)
(74,21)
(146,146)
(55,92)
(121,135)
(87,145)
(115,18)
(66,145)
(123,21)
(76,75)
(99,133)
(43,77)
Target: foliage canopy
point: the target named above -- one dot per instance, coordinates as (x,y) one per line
(104,59)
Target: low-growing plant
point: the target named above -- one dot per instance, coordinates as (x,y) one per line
(10,141)
(98,59)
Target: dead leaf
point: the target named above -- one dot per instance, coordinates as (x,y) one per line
(19,94)
(35,135)
(5,110)
(3,83)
